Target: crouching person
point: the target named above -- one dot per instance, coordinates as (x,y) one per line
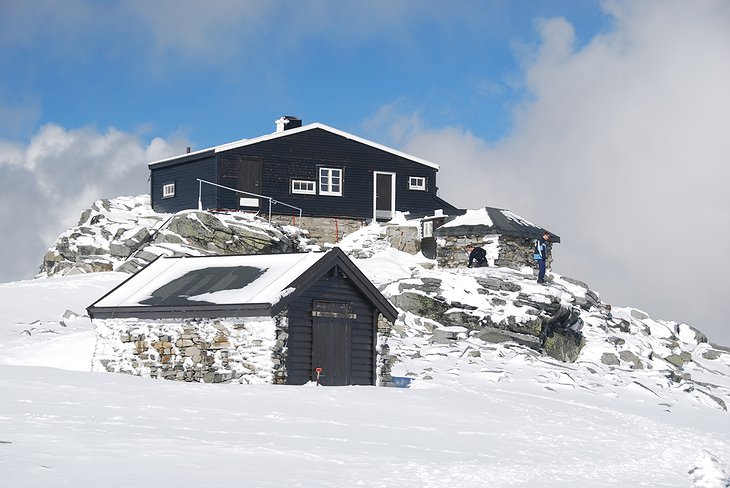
(477,256)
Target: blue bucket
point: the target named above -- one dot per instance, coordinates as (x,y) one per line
(401,381)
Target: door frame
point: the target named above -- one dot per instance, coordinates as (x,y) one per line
(375,193)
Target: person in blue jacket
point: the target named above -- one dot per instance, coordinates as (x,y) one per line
(541,255)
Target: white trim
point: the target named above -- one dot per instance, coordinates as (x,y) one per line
(168,190)
(392,193)
(329,192)
(302,191)
(416,186)
(304,128)
(248,202)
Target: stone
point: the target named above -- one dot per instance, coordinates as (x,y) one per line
(493,283)
(610,359)
(563,344)
(404,238)
(638,314)
(630,357)
(711,354)
(192,352)
(679,360)
(421,305)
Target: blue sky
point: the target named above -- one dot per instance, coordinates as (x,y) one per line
(605,121)
(160,71)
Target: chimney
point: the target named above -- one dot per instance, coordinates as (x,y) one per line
(188,150)
(287,122)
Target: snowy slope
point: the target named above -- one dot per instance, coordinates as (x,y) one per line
(478,414)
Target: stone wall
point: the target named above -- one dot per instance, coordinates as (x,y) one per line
(233,350)
(243,350)
(322,229)
(502,251)
(385,359)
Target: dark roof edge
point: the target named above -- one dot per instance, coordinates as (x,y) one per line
(334,257)
(184,158)
(186,312)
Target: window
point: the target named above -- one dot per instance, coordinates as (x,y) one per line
(427,228)
(417,183)
(330,181)
(306,187)
(168,191)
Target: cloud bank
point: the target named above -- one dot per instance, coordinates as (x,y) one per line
(46,184)
(621,147)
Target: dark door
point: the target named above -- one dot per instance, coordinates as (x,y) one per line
(332,347)
(249,180)
(384,195)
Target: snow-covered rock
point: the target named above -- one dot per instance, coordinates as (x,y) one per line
(125,234)
(709,472)
(467,317)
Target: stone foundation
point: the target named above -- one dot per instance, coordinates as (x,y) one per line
(322,229)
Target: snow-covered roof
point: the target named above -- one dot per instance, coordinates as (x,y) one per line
(219,280)
(304,128)
(489,220)
(209,286)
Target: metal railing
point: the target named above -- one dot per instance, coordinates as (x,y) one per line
(271,200)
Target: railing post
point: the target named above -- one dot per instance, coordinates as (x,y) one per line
(200,195)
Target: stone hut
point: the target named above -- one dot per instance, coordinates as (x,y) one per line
(276,318)
(507,238)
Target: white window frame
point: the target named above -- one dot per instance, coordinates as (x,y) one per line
(306,187)
(168,190)
(326,175)
(417,183)
(427,228)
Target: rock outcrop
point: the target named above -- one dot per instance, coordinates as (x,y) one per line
(125,234)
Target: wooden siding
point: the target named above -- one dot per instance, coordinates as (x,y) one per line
(185,176)
(334,287)
(299,156)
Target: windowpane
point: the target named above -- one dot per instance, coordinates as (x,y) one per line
(330,181)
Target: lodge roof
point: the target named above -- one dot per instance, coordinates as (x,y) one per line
(276,135)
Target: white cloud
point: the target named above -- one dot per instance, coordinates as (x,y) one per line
(621,148)
(46,184)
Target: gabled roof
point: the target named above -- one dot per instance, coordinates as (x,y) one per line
(227,286)
(276,135)
(490,220)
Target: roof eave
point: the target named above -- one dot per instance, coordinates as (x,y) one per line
(182,312)
(275,135)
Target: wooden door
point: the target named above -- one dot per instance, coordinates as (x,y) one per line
(249,180)
(332,342)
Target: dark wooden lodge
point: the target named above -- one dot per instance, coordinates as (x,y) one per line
(323,171)
(332,310)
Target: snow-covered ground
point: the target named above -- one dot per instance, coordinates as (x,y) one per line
(477,414)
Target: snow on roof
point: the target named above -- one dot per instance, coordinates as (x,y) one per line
(219,280)
(479,216)
(304,128)
(516,218)
(491,220)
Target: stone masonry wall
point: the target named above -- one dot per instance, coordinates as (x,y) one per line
(322,229)
(243,350)
(502,251)
(385,359)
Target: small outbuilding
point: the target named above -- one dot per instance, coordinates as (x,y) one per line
(278,318)
(507,238)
